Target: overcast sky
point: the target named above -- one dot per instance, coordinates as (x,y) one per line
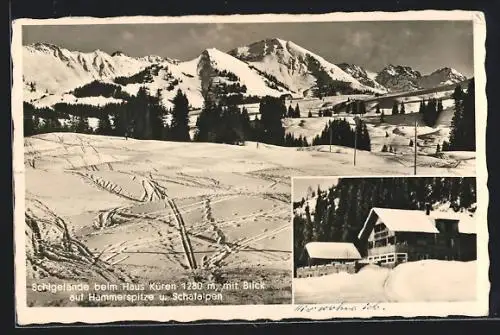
(301,185)
(423,45)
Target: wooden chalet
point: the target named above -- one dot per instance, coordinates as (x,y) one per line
(320,253)
(391,236)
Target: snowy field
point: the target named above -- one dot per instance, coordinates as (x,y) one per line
(154,210)
(397,131)
(422,281)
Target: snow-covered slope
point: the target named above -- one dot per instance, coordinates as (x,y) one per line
(56,70)
(226,69)
(422,281)
(363,76)
(404,78)
(49,100)
(51,73)
(399,78)
(292,65)
(440,77)
(269,67)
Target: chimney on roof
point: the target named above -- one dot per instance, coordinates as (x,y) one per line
(428,208)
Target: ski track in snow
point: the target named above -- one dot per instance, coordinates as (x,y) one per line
(157,222)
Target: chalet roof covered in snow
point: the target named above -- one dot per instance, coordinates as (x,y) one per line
(399,220)
(414,221)
(466,223)
(332,250)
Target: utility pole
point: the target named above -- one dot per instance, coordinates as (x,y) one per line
(356,122)
(415,150)
(355,143)
(330,126)
(126,125)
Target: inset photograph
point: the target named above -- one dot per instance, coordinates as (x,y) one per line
(396,239)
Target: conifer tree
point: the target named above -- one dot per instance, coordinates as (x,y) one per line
(445,146)
(468,122)
(271,109)
(179,128)
(157,113)
(422,106)
(246,125)
(395,108)
(104,125)
(81,124)
(297,111)
(29,123)
(462,136)
(208,122)
(402,109)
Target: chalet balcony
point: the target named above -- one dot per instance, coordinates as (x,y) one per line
(388,249)
(410,249)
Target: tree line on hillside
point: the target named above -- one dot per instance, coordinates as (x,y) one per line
(143,116)
(222,123)
(356,107)
(430,110)
(97,88)
(145,76)
(339,132)
(272,81)
(341,211)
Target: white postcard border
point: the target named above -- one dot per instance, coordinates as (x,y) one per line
(43,315)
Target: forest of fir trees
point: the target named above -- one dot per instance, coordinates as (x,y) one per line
(144,117)
(341,210)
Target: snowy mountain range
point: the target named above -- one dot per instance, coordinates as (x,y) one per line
(268,67)
(404,78)
(363,76)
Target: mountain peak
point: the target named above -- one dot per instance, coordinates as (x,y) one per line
(442,76)
(398,77)
(117,53)
(449,71)
(362,75)
(43,46)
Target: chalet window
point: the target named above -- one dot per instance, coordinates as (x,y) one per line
(421,241)
(370,244)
